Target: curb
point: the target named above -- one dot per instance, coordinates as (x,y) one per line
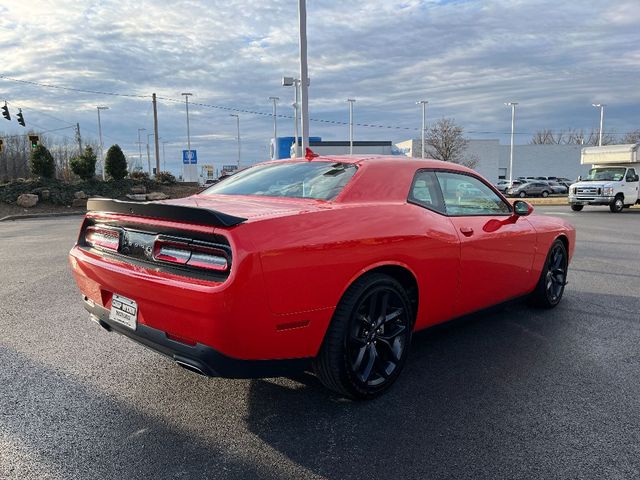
(25,216)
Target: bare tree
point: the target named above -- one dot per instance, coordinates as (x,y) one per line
(447,142)
(548,137)
(631,137)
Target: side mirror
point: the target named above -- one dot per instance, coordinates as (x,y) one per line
(522,208)
(579,178)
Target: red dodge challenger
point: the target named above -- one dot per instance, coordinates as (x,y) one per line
(323,262)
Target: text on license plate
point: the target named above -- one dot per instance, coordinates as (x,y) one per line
(124,311)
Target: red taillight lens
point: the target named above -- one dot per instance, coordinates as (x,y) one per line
(102,238)
(193,255)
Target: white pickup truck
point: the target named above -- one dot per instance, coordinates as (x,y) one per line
(612,181)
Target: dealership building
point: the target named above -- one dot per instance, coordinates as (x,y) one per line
(528,160)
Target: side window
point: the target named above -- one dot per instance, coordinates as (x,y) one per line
(631,175)
(425,191)
(466,195)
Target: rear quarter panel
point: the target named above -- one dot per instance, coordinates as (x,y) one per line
(309,260)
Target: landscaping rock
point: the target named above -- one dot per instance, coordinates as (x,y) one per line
(137,189)
(79,202)
(138,197)
(80,195)
(157,196)
(27,200)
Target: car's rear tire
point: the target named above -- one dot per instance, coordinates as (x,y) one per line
(577,208)
(545,194)
(553,277)
(367,343)
(522,194)
(617,205)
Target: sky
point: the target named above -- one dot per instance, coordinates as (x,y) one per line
(467,58)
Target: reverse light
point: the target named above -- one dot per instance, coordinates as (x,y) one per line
(102,238)
(190,254)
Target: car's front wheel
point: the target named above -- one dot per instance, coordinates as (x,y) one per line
(545,194)
(366,345)
(577,208)
(553,278)
(617,205)
(522,194)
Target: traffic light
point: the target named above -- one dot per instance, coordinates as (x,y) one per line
(5,111)
(20,117)
(35,141)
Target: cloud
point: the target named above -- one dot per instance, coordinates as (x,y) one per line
(467,58)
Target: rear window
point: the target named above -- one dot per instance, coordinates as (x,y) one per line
(318,180)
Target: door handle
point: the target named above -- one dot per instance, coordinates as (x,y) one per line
(466,231)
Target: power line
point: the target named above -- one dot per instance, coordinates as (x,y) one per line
(248,111)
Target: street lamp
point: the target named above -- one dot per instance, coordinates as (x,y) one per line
(304,76)
(140,146)
(104,175)
(148,154)
(424,125)
(238,126)
(164,157)
(513,123)
(601,107)
(275,126)
(351,102)
(186,102)
(295,83)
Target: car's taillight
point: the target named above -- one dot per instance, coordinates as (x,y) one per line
(102,238)
(190,254)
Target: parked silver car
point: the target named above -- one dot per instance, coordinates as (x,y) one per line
(530,189)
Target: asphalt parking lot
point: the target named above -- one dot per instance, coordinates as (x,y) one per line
(514,393)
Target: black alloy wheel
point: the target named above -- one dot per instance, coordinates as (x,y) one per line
(378,336)
(553,278)
(366,345)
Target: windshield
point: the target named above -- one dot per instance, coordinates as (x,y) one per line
(611,173)
(318,180)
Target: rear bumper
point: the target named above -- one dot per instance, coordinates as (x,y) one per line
(198,358)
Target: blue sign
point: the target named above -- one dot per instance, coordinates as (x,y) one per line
(189,156)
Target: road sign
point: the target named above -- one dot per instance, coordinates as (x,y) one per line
(189,156)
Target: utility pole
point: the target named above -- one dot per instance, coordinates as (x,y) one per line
(275,126)
(351,102)
(78,137)
(296,118)
(513,123)
(601,107)
(304,74)
(424,125)
(140,146)
(104,174)
(155,131)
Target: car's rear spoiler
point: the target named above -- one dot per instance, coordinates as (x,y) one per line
(164,211)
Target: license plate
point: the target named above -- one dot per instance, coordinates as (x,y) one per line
(124,311)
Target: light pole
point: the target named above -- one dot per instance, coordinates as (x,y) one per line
(293,82)
(304,75)
(186,102)
(140,146)
(164,157)
(601,107)
(351,102)
(275,126)
(104,174)
(238,127)
(513,123)
(424,125)
(148,153)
